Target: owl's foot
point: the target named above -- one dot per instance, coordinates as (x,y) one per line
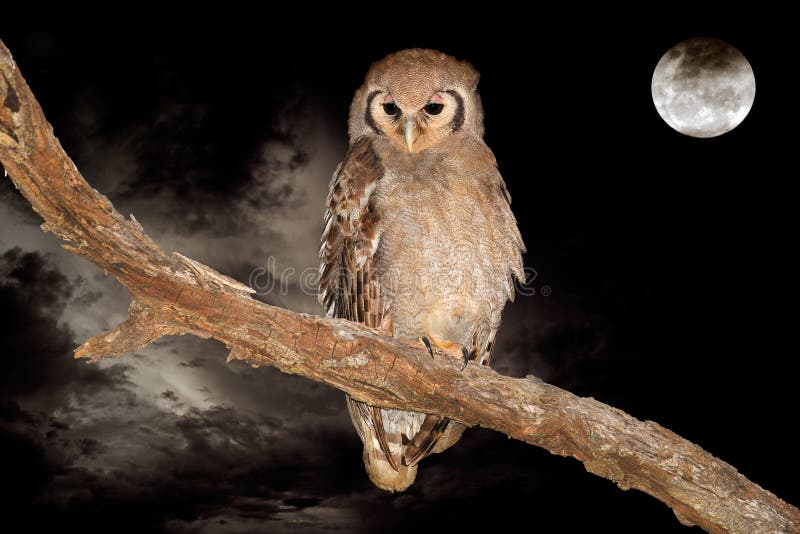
(427,343)
(451,349)
(467,355)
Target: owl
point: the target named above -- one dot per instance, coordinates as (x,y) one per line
(419,238)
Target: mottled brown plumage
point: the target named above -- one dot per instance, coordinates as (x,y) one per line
(419,238)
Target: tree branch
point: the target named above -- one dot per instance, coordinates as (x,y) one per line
(173,294)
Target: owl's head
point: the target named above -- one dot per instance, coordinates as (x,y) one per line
(417,99)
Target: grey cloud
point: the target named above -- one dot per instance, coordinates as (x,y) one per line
(59,425)
(193,363)
(90,447)
(169,395)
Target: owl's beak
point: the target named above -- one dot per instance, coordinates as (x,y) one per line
(411,134)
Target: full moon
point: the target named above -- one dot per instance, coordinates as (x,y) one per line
(703,87)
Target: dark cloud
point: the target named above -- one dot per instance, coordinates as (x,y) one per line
(266,491)
(38,347)
(10,412)
(90,447)
(26,472)
(30,270)
(11,197)
(301,502)
(182,156)
(200,180)
(215,462)
(58,425)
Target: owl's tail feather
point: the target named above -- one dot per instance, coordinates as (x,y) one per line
(427,436)
(382,474)
(396,440)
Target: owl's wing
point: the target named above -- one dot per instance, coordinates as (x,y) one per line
(508,237)
(348,287)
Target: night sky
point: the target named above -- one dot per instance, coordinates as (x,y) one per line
(666,259)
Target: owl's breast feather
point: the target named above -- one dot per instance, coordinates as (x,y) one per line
(439,261)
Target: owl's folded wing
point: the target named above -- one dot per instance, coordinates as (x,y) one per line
(348,287)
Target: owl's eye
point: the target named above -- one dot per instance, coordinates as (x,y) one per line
(434,108)
(390,108)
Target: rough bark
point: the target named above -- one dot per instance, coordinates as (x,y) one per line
(173,294)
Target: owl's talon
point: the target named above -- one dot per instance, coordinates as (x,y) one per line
(427,343)
(465,353)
